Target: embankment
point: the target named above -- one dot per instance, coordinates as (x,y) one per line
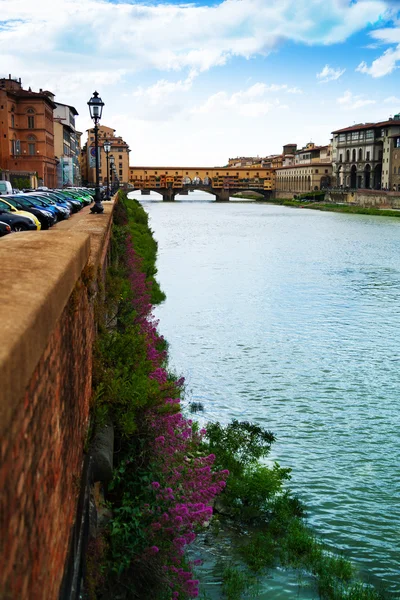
(51,282)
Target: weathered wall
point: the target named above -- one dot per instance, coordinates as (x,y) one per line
(284,195)
(47,331)
(366,198)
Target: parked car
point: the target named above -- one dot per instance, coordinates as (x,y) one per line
(62,211)
(21,202)
(4,229)
(81,197)
(73,203)
(17,222)
(5,187)
(7,207)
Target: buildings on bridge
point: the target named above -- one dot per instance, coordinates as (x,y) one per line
(215,180)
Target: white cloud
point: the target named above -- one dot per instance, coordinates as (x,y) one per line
(252,102)
(329,74)
(158,92)
(387,62)
(351,102)
(392,100)
(384,65)
(172,37)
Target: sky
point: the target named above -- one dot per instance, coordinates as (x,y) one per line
(196,83)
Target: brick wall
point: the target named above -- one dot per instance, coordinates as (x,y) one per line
(42,442)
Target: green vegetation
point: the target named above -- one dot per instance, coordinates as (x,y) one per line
(248,195)
(271,520)
(341,208)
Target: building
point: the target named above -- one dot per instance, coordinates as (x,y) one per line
(218,178)
(244,161)
(66,145)
(363,155)
(27,133)
(394,164)
(119,150)
(304,170)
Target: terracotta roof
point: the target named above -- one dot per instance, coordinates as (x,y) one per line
(305,166)
(366,126)
(27,94)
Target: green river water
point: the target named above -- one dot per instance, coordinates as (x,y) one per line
(290,318)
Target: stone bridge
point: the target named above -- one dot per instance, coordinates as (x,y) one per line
(222,182)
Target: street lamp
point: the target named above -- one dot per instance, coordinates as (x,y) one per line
(112,167)
(96,108)
(107,148)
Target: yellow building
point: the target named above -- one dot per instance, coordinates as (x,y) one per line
(119,150)
(303,178)
(227,178)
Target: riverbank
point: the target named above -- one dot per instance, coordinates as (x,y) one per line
(326,206)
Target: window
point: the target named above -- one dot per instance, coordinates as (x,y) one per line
(12,121)
(120,165)
(369,134)
(342,137)
(120,157)
(340,157)
(15,147)
(120,171)
(368,155)
(31,122)
(360,154)
(30,111)
(354,136)
(32,148)
(353,156)
(326,170)
(347,155)
(316,170)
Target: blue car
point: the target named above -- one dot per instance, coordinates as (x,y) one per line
(62,210)
(72,203)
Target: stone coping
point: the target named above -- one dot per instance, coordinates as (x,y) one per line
(38,272)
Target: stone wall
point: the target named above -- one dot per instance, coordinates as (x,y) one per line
(366,198)
(49,289)
(283,195)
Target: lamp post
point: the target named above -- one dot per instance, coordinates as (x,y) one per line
(112,167)
(107,148)
(96,108)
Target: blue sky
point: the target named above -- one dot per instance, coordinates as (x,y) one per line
(197,83)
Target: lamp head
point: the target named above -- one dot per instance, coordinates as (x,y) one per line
(96,107)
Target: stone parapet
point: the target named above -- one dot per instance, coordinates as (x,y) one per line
(49,281)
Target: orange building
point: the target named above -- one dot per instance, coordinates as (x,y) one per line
(119,150)
(27,131)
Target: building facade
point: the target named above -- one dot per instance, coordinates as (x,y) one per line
(66,145)
(218,178)
(394,165)
(119,150)
(27,132)
(305,170)
(363,155)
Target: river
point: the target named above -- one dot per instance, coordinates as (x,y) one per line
(290,318)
